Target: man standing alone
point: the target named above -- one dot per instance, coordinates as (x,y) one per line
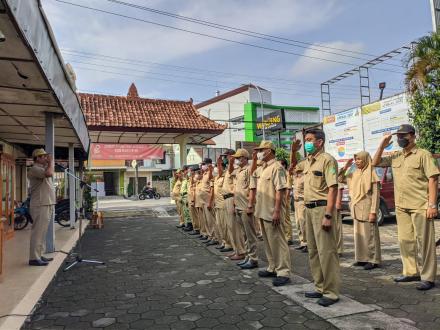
(42,204)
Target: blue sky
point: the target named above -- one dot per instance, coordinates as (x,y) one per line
(158,56)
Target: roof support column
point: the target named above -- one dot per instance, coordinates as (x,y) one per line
(50,148)
(72,199)
(182,141)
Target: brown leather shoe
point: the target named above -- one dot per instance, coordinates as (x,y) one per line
(230,254)
(237,257)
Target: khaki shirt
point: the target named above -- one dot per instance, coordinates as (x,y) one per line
(411,173)
(199,202)
(255,177)
(241,189)
(228,183)
(205,189)
(298,186)
(41,188)
(219,201)
(176,190)
(368,204)
(273,178)
(190,192)
(320,173)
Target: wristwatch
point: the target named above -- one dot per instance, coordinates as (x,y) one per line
(328,216)
(433,206)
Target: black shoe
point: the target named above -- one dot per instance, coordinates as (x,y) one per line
(180,226)
(305,250)
(242,262)
(260,238)
(46,259)
(250,264)
(370,266)
(226,250)
(188,228)
(212,242)
(289,242)
(312,294)
(203,238)
(325,302)
(425,285)
(360,264)
(301,247)
(220,247)
(265,273)
(404,279)
(38,262)
(194,232)
(280,281)
(208,241)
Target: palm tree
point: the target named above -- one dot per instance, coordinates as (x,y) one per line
(423,63)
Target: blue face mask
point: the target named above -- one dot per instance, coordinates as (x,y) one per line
(310,147)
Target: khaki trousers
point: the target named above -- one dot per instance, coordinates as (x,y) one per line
(180,212)
(276,248)
(246,223)
(366,242)
(339,233)
(226,236)
(201,221)
(41,215)
(209,217)
(300,222)
(235,233)
(416,234)
(323,255)
(288,223)
(194,217)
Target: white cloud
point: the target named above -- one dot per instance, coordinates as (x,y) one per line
(90,31)
(309,67)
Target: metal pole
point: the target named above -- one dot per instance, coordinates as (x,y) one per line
(262,108)
(136,180)
(434,11)
(72,197)
(50,148)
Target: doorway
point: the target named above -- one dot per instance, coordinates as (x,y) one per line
(109,183)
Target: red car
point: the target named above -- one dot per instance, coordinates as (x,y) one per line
(386,207)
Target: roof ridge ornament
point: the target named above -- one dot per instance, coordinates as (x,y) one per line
(132,91)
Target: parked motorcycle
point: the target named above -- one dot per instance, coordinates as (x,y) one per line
(149,193)
(62,214)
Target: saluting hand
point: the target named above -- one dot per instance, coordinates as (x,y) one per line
(348,164)
(386,141)
(296,146)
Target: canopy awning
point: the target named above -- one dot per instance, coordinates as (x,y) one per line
(34,81)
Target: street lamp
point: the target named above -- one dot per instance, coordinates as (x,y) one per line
(262,108)
(382,86)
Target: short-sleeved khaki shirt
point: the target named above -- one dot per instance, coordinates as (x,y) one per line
(228,183)
(190,192)
(199,201)
(320,173)
(241,187)
(273,178)
(205,189)
(255,177)
(411,173)
(176,190)
(41,188)
(298,186)
(219,201)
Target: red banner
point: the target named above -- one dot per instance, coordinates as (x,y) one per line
(103,151)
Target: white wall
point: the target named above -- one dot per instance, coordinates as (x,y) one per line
(230,108)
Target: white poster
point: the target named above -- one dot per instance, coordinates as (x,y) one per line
(383,118)
(343,134)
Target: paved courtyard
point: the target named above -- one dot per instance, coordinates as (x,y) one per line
(157,277)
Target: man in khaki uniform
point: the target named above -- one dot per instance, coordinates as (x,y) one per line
(256,169)
(191,202)
(415,174)
(206,196)
(42,204)
(245,220)
(320,192)
(175,195)
(298,197)
(199,204)
(270,208)
(288,222)
(228,188)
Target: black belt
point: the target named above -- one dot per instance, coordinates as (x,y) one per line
(314,204)
(226,196)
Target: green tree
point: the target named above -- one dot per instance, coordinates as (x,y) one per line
(423,86)
(281,153)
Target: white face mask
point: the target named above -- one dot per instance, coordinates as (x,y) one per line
(260,155)
(237,162)
(204,167)
(215,172)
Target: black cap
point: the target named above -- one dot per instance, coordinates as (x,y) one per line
(207,161)
(228,152)
(406,129)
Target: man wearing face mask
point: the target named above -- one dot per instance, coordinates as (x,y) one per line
(245,220)
(415,174)
(208,212)
(191,201)
(320,192)
(270,208)
(177,198)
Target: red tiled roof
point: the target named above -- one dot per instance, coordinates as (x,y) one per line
(226,95)
(135,113)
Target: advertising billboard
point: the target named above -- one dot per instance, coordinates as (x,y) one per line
(274,121)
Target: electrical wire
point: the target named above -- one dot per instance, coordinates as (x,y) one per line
(219,38)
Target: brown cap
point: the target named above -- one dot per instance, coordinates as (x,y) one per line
(38,152)
(266,145)
(241,153)
(228,152)
(405,129)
